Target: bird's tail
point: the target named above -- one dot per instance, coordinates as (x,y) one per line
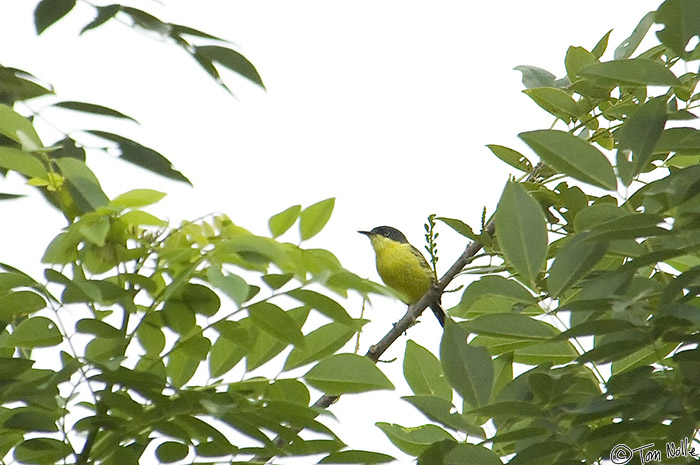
(438,312)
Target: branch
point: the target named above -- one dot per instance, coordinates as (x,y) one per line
(414,311)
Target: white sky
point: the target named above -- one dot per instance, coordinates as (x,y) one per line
(385,105)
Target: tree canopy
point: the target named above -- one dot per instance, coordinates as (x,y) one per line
(576,342)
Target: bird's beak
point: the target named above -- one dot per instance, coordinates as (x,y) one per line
(366,233)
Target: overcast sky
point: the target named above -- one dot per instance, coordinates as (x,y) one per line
(385,105)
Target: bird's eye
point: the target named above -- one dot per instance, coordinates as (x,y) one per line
(386,233)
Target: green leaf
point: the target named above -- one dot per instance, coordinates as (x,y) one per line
(232,285)
(323,304)
(442,411)
(514,158)
(572,156)
(535,77)
(41,451)
(577,58)
(171,451)
(276,281)
(31,420)
(681,20)
(573,262)
(601,46)
(521,231)
(98,328)
(413,441)
(638,72)
(141,218)
(347,373)
(289,390)
(489,287)
(95,231)
(48,12)
(423,372)
(449,453)
(92,109)
(319,343)
(284,220)
(104,14)
(83,184)
(37,331)
(357,457)
(510,325)
(630,44)
(640,134)
(18,128)
(555,101)
(232,60)
(314,218)
(22,162)
(275,321)
(19,303)
(142,156)
(468,369)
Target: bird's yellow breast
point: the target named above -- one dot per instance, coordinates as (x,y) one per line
(402,268)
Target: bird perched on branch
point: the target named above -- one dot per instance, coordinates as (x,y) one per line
(402,267)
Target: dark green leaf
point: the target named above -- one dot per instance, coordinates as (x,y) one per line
(142,156)
(630,44)
(323,304)
(638,72)
(639,135)
(468,369)
(313,218)
(681,20)
(574,261)
(442,411)
(521,231)
(347,373)
(572,156)
(48,12)
(357,457)
(232,60)
(41,451)
(510,325)
(104,14)
(171,451)
(493,286)
(515,159)
(19,303)
(93,109)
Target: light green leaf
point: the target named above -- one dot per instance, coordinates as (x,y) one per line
(630,44)
(602,45)
(681,20)
(413,441)
(493,286)
(314,218)
(136,198)
(555,101)
(468,369)
(347,373)
(19,303)
(18,128)
(141,218)
(22,162)
(320,343)
(232,285)
(323,304)
(83,184)
(442,411)
(572,156)
(37,331)
(577,58)
(535,77)
(95,231)
(638,72)
(521,231)
(514,158)
(275,321)
(284,220)
(423,372)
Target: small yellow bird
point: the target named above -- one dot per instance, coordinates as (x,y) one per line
(402,267)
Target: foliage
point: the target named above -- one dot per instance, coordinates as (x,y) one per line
(583,329)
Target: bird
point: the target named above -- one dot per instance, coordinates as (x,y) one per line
(402,267)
